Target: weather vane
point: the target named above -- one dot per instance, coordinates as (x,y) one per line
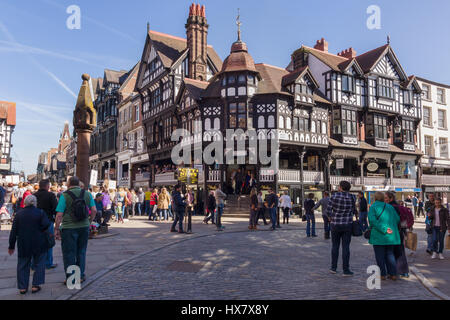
(238,22)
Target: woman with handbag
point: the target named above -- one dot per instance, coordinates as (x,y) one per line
(384,235)
(399,251)
(29,230)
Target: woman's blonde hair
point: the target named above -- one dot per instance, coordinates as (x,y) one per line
(164,191)
(379,196)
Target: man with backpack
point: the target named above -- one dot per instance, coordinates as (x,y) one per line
(72,225)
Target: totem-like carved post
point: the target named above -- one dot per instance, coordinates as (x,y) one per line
(84,122)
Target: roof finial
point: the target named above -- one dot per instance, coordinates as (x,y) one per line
(238,22)
(148,27)
(388,39)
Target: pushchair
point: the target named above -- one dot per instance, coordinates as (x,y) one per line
(5,216)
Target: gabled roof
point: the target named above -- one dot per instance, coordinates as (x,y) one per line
(170,48)
(411,81)
(368,60)
(112,76)
(8,112)
(331,60)
(296,74)
(195,87)
(345,66)
(271,79)
(129,85)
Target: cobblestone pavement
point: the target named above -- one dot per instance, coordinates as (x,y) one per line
(242,265)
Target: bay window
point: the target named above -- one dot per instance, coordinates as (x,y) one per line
(386,88)
(348,83)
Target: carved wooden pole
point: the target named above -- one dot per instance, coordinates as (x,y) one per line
(84,122)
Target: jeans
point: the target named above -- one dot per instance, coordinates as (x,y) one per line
(342,232)
(438,240)
(430,242)
(23,270)
(147,208)
(386,260)
(363,221)
(164,212)
(252,221)
(261,214)
(211,216)
(179,216)
(273,216)
(49,259)
(74,244)
(219,213)
(138,209)
(326,226)
(310,224)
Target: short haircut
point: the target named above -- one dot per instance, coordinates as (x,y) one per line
(44,184)
(438,199)
(390,195)
(30,201)
(379,196)
(311,195)
(361,193)
(177,187)
(74,182)
(326,193)
(345,185)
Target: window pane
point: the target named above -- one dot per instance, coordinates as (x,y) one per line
(241,108)
(241,120)
(232,121)
(233,107)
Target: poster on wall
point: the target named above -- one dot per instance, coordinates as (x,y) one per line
(94,177)
(112,185)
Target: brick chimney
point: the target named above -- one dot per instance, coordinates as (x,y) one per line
(321,45)
(347,53)
(197,34)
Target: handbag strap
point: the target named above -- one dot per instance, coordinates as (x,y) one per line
(378,218)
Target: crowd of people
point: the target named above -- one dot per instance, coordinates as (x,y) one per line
(44,212)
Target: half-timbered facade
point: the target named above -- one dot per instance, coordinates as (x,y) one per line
(166,61)
(7,126)
(376,110)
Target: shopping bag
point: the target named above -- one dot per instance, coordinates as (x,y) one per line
(447,242)
(411,241)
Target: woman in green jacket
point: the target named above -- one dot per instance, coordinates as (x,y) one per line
(384,220)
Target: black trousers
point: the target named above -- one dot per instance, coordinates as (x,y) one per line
(261,213)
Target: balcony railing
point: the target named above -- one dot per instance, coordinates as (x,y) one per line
(214,176)
(336,180)
(289,176)
(407,183)
(315,177)
(374,181)
(143,176)
(436,180)
(165,178)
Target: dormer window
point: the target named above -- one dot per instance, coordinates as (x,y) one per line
(303,88)
(348,84)
(231,79)
(386,88)
(242,78)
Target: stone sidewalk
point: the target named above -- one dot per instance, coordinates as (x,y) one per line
(139,246)
(124,242)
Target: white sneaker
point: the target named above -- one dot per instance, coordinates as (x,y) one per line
(441,256)
(434,256)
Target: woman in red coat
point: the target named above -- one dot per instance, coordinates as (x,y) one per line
(25,195)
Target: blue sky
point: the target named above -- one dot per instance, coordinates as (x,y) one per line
(41,61)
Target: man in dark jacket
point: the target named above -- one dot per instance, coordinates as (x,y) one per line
(46,201)
(272,203)
(179,206)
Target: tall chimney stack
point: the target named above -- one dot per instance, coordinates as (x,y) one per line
(321,45)
(197,35)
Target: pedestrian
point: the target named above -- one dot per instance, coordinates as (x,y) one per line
(153,203)
(147,197)
(310,217)
(220,203)
(384,235)
(440,222)
(286,206)
(272,203)
(134,201)
(428,228)
(399,251)
(261,209)
(211,208)
(190,201)
(163,204)
(340,211)
(47,202)
(415,204)
(119,205)
(238,179)
(253,209)
(179,205)
(27,193)
(28,231)
(420,208)
(128,204)
(99,206)
(9,198)
(72,225)
(326,222)
(362,206)
(140,202)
